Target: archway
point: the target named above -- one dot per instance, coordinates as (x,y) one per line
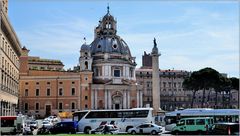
(117,100)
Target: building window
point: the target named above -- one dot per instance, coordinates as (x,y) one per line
(60,92)
(73,82)
(131,72)
(60,106)
(86,97)
(148,84)
(169,84)
(26,83)
(60,82)
(114,46)
(179,84)
(73,91)
(86,88)
(174,84)
(73,105)
(48,92)
(37,92)
(26,92)
(116,73)
(26,107)
(86,106)
(86,65)
(48,83)
(37,83)
(37,106)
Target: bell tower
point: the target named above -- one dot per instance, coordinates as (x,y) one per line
(155,78)
(106,26)
(85,59)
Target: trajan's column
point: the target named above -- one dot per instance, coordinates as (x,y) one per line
(155,78)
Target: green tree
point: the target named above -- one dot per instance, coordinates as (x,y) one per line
(208,79)
(235,86)
(190,83)
(204,79)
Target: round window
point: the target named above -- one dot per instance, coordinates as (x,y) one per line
(114,46)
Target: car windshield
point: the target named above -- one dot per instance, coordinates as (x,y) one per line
(45,122)
(33,122)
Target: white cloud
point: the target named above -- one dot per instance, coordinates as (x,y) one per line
(195,39)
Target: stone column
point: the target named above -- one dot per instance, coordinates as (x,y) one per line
(103,71)
(96,99)
(92,99)
(128,99)
(106,98)
(109,71)
(109,100)
(155,78)
(124,71)
(141,100)
(124,99)
(138,99)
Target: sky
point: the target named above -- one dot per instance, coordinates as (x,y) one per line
(191,35)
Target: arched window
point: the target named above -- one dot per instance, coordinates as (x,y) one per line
(86,65)
(108,25)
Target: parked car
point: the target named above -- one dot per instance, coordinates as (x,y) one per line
(225,128)
(64,127)
(47,124)
(146,128)
(198,125)
(53,119)
(27,130)
(105,129)
(33,124)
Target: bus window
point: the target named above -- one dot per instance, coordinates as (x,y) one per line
(190,122)
(78,115)
(181,123)
(7,123)
(200,121)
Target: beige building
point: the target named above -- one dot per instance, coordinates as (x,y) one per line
(46,89)
(10,51)
(172,94)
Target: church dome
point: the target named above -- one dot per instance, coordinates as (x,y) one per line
(85,47)
(110,44)
(106,39)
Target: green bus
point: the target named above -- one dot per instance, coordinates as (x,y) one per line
(198,125)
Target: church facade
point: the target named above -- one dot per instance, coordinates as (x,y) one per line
(104,79)
(109,58)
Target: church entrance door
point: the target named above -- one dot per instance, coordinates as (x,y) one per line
(117,106)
